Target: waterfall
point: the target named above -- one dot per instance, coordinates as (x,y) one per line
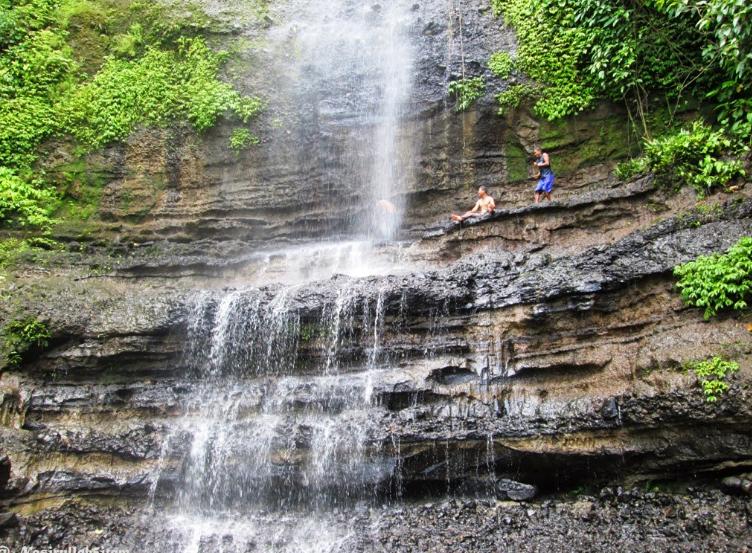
(355,60)
(389,174)
(269,435)
(282,428)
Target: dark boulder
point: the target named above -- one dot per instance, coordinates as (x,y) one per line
(516,491)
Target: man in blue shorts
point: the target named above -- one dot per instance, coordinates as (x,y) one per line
(546,182)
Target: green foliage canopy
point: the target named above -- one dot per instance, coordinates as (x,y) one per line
(158,71)
(719,281)
(550,47)
(647,54)
(726,26)
(578,51)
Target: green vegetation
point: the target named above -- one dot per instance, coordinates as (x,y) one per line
(309,332)
(467,91)
(242,138)
(94,71)
(501,64)
(27,203)
(156,88)
(550,47)
(21,336)
(80,184)
(654,56)
(700,214)
(692,156)
(513,96)
(37,250)
(625,170)
(711,375)
(579,51)
(726,27)
(719,281)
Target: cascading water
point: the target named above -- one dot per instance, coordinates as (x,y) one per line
(389,174)
(265,438)
(355,61)
(282,425)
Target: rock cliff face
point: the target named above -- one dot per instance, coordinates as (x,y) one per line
(174,188)
(543,345)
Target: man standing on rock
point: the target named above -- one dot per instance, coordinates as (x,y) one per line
(546,182)
(484,206)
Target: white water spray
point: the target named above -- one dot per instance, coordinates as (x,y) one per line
(272,430)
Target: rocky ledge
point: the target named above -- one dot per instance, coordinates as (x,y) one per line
(551,369)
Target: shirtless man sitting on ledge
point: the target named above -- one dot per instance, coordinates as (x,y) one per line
(484,206)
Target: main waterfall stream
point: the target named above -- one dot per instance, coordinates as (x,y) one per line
(281,420)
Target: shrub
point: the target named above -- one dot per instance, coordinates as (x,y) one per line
(513,96)
(467,91)
(628,169)
(21,336)
(694,156)
(25,203)
(711,375)
(719,281)
(241,138)
(501,64)
(155,89)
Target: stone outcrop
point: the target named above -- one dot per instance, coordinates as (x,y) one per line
(171,192)
(610,519)
(555,370)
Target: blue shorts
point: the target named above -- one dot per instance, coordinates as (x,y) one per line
(546,184)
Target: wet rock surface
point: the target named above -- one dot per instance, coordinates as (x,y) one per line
(472,369)
(741,484)
(477,368)
(693,520)
(633,520)
(516,491)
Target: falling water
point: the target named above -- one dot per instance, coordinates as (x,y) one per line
(281,429)
(265,438)
(389,173)
(356,60)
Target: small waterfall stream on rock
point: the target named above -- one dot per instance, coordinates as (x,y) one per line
(281,425)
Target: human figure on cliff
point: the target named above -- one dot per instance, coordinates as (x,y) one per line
(546,181)
(484,206)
